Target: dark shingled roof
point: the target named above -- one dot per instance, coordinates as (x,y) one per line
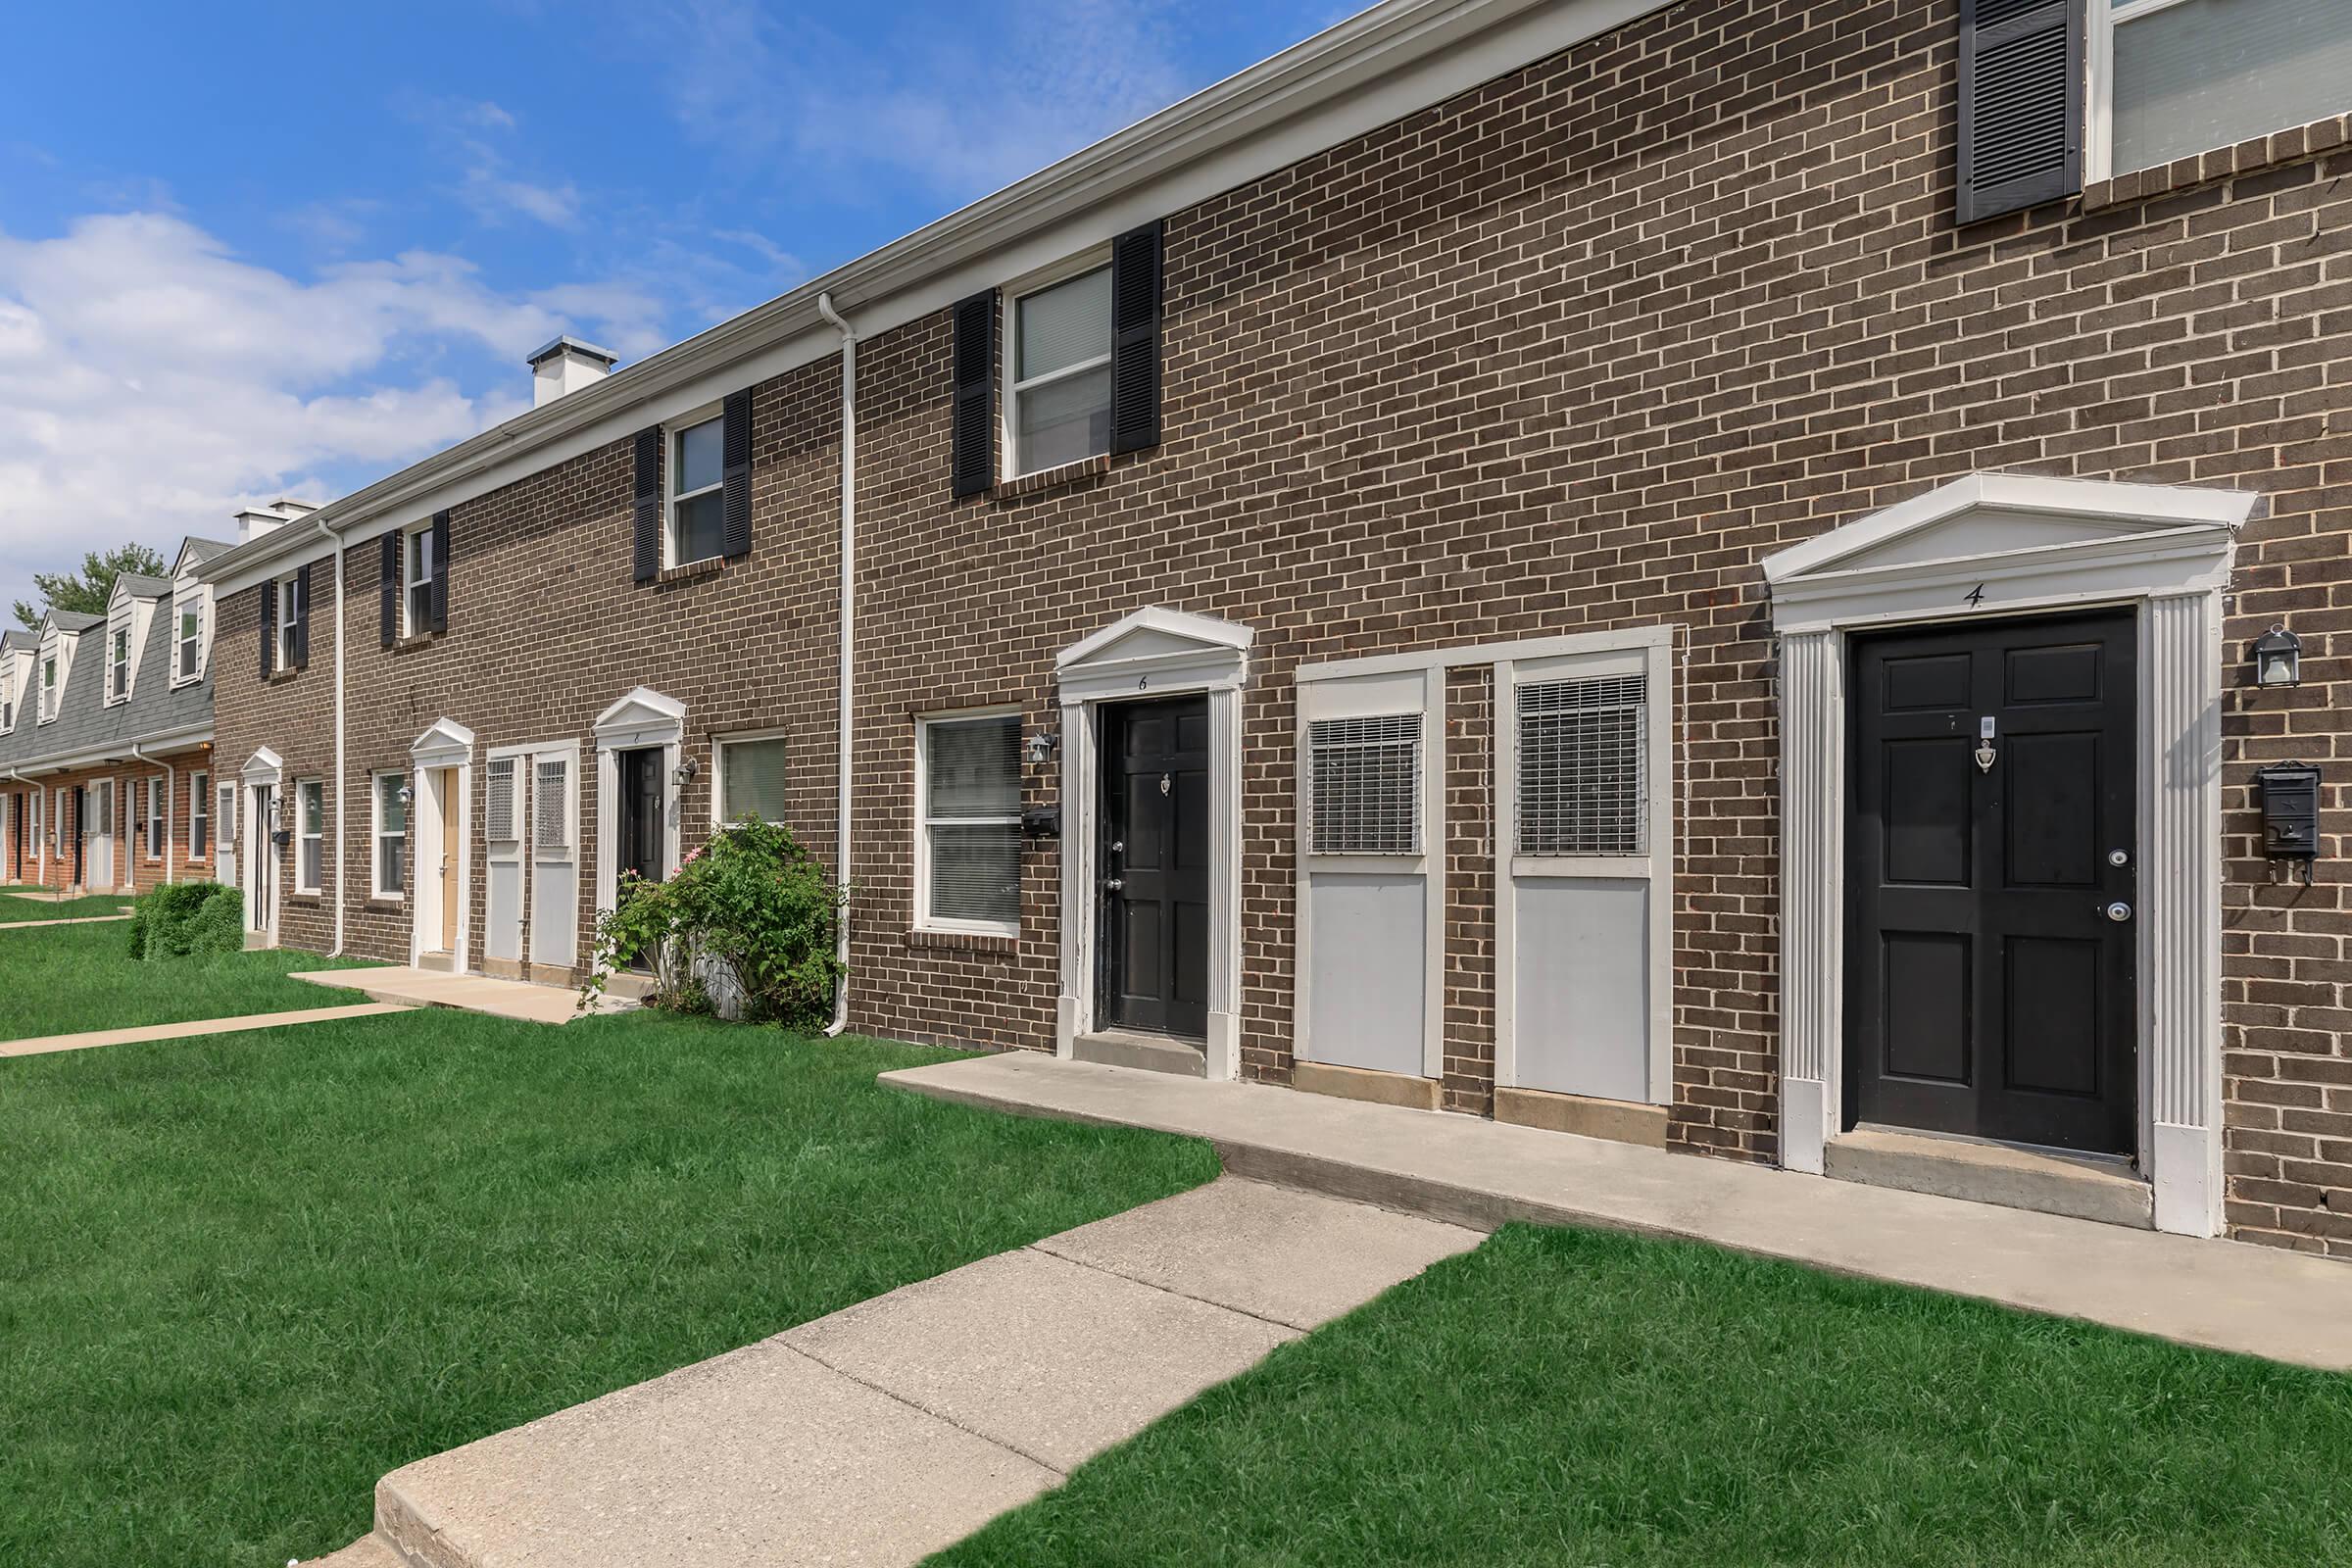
(83,723)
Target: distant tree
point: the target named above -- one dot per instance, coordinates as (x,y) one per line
(88,589)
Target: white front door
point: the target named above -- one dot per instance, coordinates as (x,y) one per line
(100,870)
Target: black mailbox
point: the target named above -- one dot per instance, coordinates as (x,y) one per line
(2291,810)
(1042,822)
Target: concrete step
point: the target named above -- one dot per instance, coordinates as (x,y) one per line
(628,985)
(1146,1053)
(369,1552)
(2044,1181)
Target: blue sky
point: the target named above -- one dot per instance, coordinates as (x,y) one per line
(251,250)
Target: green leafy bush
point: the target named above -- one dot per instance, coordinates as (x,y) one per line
(188,919)
(746,929)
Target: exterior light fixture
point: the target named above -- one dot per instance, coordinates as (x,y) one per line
(405,795)
(1041,747)
(683,774)
(2277,658)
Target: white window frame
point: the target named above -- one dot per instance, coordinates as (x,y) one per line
(924,921)
(153,838)
(200,815)
(376,835)
(721,815)
(671,469)
(51,682)
(117,664)
(289,595)
(1009,351)
(182,641)
(2099,135)
(302,836)
(412,542)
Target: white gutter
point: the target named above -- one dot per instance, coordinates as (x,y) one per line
(327,530)
(845,723)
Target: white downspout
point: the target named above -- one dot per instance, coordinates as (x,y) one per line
(849,643)
(336,950)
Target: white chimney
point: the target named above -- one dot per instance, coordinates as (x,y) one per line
(255,522)
(566,365)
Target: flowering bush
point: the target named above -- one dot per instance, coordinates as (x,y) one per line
(746,928)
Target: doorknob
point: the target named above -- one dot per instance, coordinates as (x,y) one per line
(2118,911)
(1114,883)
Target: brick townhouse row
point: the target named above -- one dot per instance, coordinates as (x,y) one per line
(1760,576)
(106,738)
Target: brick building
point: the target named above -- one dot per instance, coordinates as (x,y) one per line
(1683,573)
(106,738)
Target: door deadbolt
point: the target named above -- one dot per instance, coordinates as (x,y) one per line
(2119,857)
(2118,911)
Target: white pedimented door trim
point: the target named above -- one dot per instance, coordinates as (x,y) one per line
(1991,546)
(1153,652)
(644,717)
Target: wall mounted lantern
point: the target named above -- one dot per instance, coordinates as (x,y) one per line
(2277,658)
(683,774)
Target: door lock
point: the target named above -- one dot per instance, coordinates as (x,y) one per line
(2118,911)
(1113,883)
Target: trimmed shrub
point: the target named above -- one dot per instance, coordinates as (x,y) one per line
(746,929)
(188,919)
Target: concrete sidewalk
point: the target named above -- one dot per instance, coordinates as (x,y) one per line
(898,1426)
(465,993)
(2225,1294)
(75,919)
(43,1045)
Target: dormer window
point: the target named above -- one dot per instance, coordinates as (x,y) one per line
(48,688)
(117,664)
(187,652)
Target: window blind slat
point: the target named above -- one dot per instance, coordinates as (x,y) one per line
(1583,768)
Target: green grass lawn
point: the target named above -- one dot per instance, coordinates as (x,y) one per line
(65,979)
(242,1277)
(13,908)
(1564,1397)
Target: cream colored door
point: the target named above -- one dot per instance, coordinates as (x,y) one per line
(449,859)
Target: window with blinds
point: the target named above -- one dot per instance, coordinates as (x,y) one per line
(971,810)
(227,814)
(751,780)
(498,805)
(1365,785)
(1583,771)
(551,804)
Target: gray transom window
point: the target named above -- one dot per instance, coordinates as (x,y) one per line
(1581,766)
(1366,775)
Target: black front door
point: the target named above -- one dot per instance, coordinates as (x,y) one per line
(641,812)
(1991,869)
(1155,858)
(81,800)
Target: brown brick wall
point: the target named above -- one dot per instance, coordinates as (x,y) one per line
(133,868)
(1573,351)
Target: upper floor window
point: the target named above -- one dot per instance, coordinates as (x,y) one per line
(2174,79)
(188,649)
(417,581)
(48,688)
(117,664)
(290,622)
(697,501)
(1059,375)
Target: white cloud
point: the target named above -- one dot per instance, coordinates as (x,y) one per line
(152,380)
(495,197)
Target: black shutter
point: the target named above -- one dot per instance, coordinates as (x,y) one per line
(302,617)
(975,454)
(649,504)
(2020,105)
(1135,339)
(736,441)
(269,628)
(387,620)
(440,610)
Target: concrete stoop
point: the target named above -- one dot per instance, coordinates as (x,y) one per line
(2045,1181)
(895,1427)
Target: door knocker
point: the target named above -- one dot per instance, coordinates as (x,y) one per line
(1987,752)
(1166,783)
